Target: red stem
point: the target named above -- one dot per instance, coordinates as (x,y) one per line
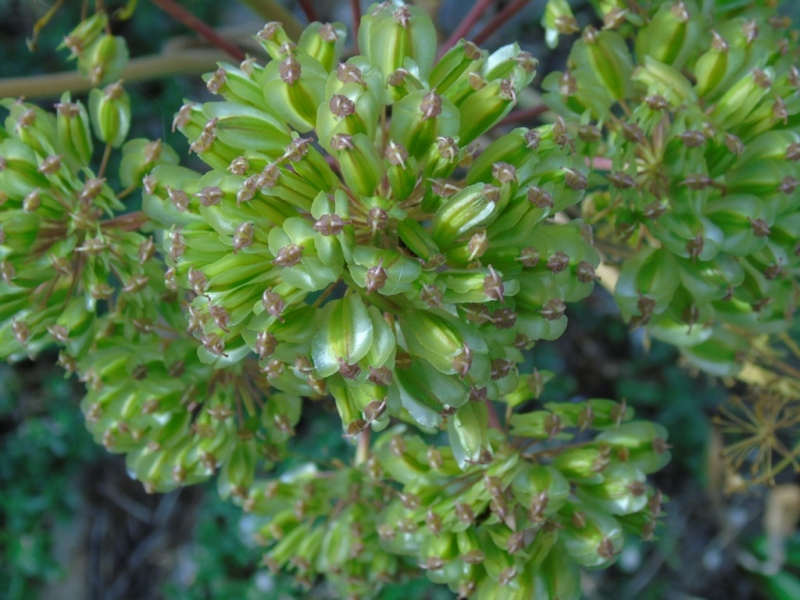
(466,25)
(179,13)
(524,114)
(505,15)
(355,8)
(308,8)
(494,420)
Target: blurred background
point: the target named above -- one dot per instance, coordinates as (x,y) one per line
(74,526)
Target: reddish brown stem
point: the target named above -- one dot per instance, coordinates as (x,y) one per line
(130,222)
(466,25)
(494,420)
(501,19)
(177,12)
(524,114)
(308,8)
(355,9)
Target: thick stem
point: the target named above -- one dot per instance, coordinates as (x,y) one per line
(129,222)
(177,12)
(355,9)
(505,15)
(466,25)
(186,62)
(308,9)
(524,114)
(494,420)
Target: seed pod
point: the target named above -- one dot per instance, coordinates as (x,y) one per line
(359,162)
(472,207)
(110,112)
(672,34)
(236,85)
(73,133)
(83,36)
(294,88)
(420,118)
(394,33)
(324,42)
(104,60)
(463,58)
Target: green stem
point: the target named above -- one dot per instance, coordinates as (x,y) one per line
(270,10)
(186,62)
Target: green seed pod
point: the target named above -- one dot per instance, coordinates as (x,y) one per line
(593,539)
(275,41)
(558,19)
(324,42)
(606,55)
(644,443)
(104,60)
(472,207)
(672,35)
(392,34)
(622,492)
(110,111)
(237,85)
(359,162)
(420,118)
(468,433)
(294,88)
(73,132)
(83,36)
(462,59)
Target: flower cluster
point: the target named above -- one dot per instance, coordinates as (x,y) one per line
(700,126)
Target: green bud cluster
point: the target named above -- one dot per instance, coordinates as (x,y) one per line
(520,527)
(350,241)
(700,123)
(441,266)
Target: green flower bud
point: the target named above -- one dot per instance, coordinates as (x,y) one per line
(110,112)
(104,60)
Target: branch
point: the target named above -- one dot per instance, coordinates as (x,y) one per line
(177,12)
(505,15)
(466,25)
(355,9)
(308,9)
(187,62)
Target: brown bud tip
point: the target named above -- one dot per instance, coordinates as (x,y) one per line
(431,295)
(558,262)
(633,133)
(788,185)
(462,361)
(501,367)
(290,70)
(529,257)
(585,272)
(464,512)
(329,225)
(289,255)
(272,302)
(657,102)
(347,73)
(50,165)
(590,133)
(243,237)
(342,141)
(341,106)
(376,277)
(493,286)
(478,244)
(377,219)
(553,309)
(504,318)
(504,172)
(396,154)
(265,344)
(605,549)
(575,180)
(239,166)
(209,196)
(431,105)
